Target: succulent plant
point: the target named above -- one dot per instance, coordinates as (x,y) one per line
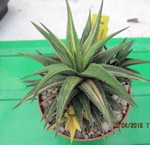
(86,75)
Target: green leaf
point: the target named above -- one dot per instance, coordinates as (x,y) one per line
(97,47)
(32,83)
(120,72)
(86,126)
(77,63)
(26,97)
(72,38)
(124,40)
(68,86)
(130,61)
(51,110)
(110,90)
(98,72)
(53,70)
(96,117)
(113,103)
(57,45)
(106,55)
(92,37)
(85,102)
(92,92)
(51,81)
(132,70)
(125,51)
(49,85)
(102,92)
(86,30)
(78,108)
(50,68)
(41,58)
(73,94)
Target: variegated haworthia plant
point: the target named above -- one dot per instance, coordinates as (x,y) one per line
(86,74)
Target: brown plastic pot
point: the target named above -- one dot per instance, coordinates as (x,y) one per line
(90,139)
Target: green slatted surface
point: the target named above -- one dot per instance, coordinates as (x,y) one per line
(23,127)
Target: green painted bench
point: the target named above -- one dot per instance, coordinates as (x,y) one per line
(23,127)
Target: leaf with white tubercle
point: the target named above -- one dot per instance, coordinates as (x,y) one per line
(57,45)
(106,55)
(78,108)
(54,69)
(96,117)
(64,95)
(134,61)
(51,110)
(86,30)
(98,46)
(103,94)
(123,53)
(92,37)
(92,92)
(30,94)
(52,80)
(85,102)
(51,67)
(41,58)
(118,71)
(96,71)
(72,40)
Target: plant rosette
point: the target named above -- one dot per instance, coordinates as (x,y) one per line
(120,114)
(84,90)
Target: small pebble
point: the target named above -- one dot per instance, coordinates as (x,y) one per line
(50,90)
(126,87)
(118,100)
(102,134)
(67,129)
(61,129)
(124,112)
(92,128)
(105,126)
(119,117)
(83,134)
(99,132)
(78,134)
(89,136)
(115,97)
(124,107)
(93,135)
(96,134)
(116,112)
(49,93)
(45,104)
(123,83)
(43,97)
(45,109)
(67,133)
(44,93)
(95,129)
(55,91)
(123,102)
(86,137)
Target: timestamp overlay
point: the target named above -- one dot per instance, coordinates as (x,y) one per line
(132,125)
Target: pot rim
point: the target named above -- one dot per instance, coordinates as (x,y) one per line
(96,138)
